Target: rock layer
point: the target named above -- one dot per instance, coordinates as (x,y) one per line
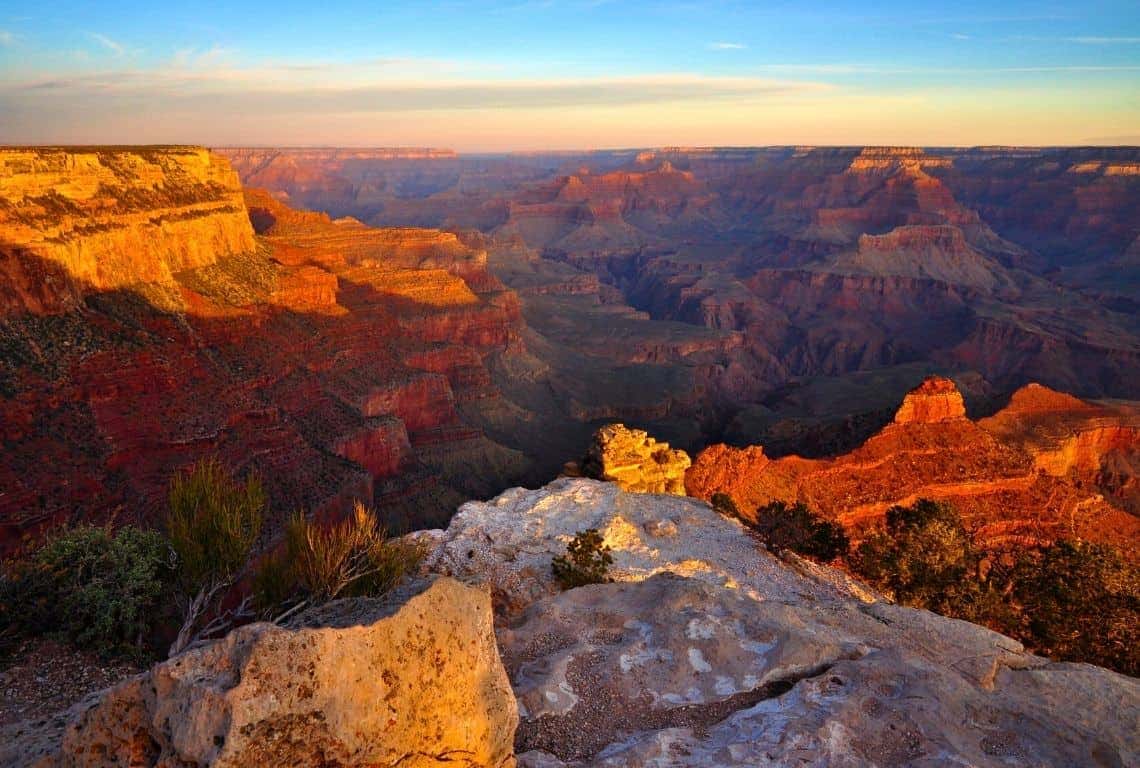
(328,357)
(110,218)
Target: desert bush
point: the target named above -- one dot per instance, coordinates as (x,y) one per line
(724,504)
(213,524)
(1081,602)
(92,586)
(923,557)
(587,561)
(800,530)
(350,558)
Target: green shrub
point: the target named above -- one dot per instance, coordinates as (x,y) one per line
(351,558)
(1081,603)
(800,530)
(924,557)
(587,561)
(724,504)
(92,586)
(213,524)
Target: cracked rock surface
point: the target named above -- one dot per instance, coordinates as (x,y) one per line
(672,671)
(706,651)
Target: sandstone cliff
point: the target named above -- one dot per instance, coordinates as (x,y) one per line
(108,218)
(331,358)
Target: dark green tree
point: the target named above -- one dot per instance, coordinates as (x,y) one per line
(797,528)
(587,561)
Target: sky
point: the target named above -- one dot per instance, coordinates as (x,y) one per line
(480,76)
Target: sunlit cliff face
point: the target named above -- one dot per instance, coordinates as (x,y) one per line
(1030,473)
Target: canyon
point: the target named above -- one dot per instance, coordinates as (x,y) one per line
(441,335)
(826,261)
(415,328)
(335,360)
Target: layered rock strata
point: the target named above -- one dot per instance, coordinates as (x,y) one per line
(635,461)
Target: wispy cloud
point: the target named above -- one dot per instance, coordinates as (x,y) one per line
(202,58)
(870,69)
(960,36)
(723,46)
(111,45)
(7,38)
(292,90)
(1092,40)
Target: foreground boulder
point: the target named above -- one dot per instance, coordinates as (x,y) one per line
(707,651)
(635,461)
(412,680)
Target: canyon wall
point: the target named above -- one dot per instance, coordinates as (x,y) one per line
(327,357)
(104,219)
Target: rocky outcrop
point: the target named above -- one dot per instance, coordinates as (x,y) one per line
(672,669)
(635,461)
(1045,467)
(413,679)
(706,650)
(935,399)
(110,218)
(508,542)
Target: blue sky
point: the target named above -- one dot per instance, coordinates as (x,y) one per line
(536,74)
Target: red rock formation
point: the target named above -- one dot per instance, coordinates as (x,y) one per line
(326,356)
(1033,471)
(907,254)
(933,400)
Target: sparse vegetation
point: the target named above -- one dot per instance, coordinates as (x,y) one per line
(351,558)
(1080,602)
(924,557)
(1070,600)
(797,528)
(587,561)
(213,524)
(724,504)
(92,586)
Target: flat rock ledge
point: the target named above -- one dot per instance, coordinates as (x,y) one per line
(707,651)
(414,680)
